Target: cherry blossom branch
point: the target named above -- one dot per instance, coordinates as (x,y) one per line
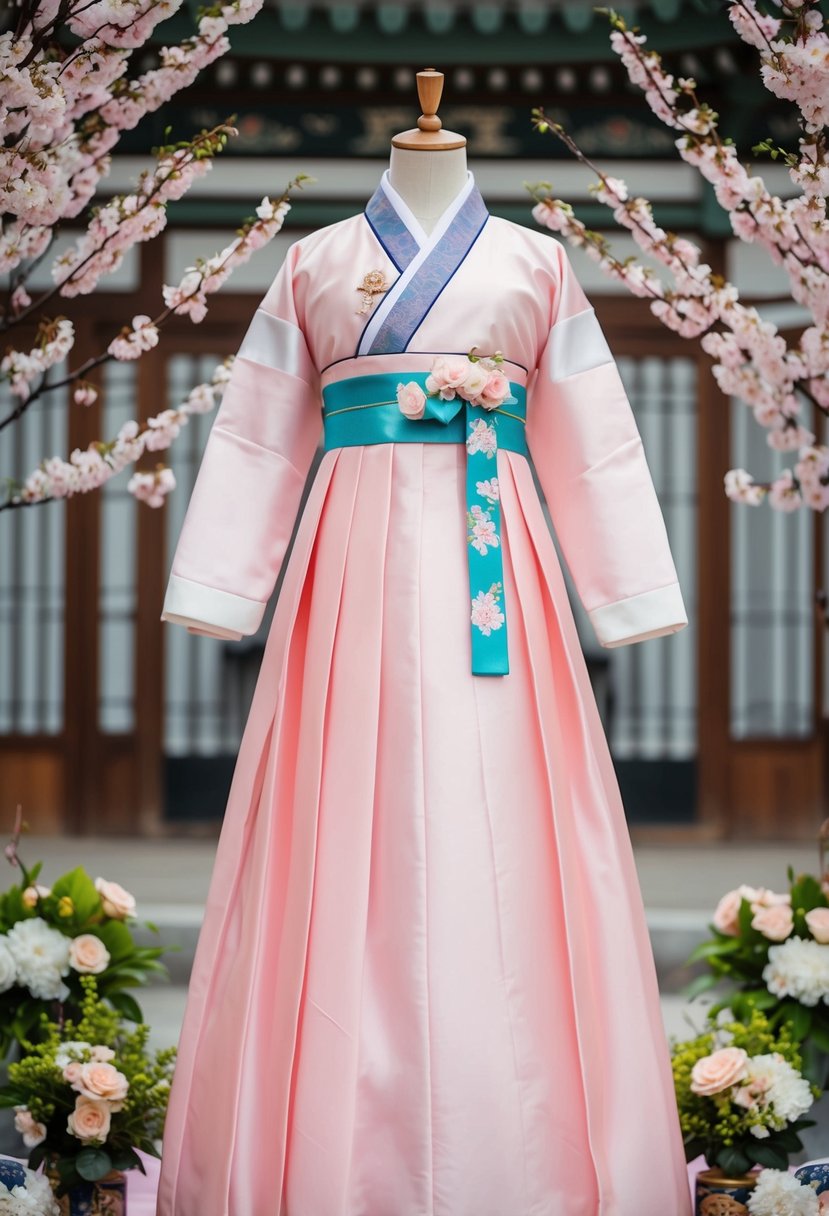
(100,462)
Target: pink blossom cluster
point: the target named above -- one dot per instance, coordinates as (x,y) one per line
(189,296)
(89,469)
(152,488)
(479,381)
(133,341)
(54,342)
(794,66)
(127,220)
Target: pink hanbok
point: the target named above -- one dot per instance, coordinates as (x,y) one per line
(424,984)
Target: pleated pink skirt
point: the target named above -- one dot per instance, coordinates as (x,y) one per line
(424,986)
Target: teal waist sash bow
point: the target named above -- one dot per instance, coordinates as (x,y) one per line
(364,410)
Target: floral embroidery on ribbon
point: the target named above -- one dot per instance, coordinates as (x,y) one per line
(486,613)
(482,533)
(481,438)
(489,489)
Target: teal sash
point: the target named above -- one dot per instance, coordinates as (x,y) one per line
(363,410)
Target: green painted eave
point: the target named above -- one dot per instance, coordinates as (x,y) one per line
(693,24)
(305,213)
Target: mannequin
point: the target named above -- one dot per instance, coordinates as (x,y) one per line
(428,165)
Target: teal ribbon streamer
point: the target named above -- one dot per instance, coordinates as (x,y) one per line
(363,410)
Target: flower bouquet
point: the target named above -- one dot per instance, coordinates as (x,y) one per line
(741,1095)
(771,950)
(88,1095)
(50,937)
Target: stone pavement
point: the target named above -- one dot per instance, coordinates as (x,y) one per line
(681,884)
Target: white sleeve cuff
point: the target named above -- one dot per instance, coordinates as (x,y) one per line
(209,610)
(649,615)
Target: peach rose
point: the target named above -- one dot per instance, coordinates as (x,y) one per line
(117,902)
(103,1081)
(88,954)
(90,1120)
(817,922)
(411,399)
(726,914)
(448,375)
(32,894)
(496,390)
(764,898)
(72,1072)
(33,1133)
(774,921)
(723,1068)
(102,1054)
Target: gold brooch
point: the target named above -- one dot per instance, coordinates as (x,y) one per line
(373,284)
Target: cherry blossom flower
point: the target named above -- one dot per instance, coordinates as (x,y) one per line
(152,488)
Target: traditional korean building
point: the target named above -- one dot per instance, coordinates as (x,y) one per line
(113,722)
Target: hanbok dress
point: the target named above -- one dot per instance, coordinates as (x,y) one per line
(424,984)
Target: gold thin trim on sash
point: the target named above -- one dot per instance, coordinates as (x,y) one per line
(370,405)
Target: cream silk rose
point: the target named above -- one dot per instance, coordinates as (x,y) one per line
(817,922)
(722,1069)
(90,1120)
(88,954)
(117,902)
(99,1080)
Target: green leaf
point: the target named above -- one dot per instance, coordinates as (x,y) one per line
(807,893)
(81,890)
(799,1018)
(127,1159)
(710,948)
(93,1164)
(124,1003)
(700,984)
(117,938)
(732,1160)
(769,1156)
(819,1035)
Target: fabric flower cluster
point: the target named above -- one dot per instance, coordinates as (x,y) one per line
(479,381)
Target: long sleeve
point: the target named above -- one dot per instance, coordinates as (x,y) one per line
(255,464)
(589,458)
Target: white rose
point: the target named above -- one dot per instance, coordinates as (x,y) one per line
(8,967)
(117,902)
(88,954)
(41,955)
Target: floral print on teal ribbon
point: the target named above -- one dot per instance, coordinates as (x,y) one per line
(490,655)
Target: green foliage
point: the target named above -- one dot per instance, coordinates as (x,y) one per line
(37,1083)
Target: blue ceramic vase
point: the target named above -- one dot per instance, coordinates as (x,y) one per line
(108,1197)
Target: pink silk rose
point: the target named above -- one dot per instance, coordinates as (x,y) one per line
(722,1069)
(496,390)
(411,399)
(117,902)
(103,1082)
(90,1120)
(817,922)
(774,921)
(88,954)
(448,376)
